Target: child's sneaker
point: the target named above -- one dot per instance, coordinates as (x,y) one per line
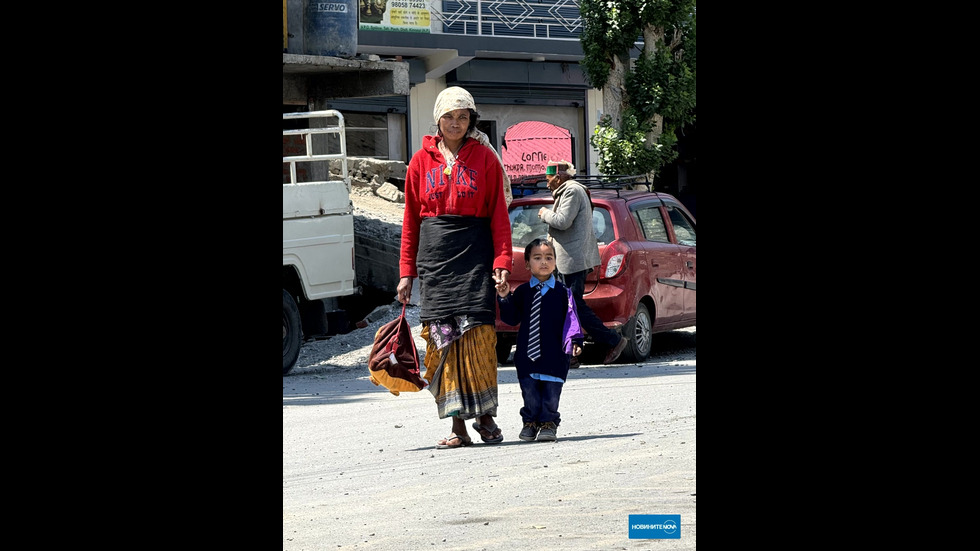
(547,432)
(529,432)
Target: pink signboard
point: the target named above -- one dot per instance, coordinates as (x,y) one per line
(529,145)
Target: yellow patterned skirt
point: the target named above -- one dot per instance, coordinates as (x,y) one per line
(463,375)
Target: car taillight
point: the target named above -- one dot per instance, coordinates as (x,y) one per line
(613,265)
(614,258)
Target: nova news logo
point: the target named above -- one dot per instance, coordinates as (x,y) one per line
(667,527)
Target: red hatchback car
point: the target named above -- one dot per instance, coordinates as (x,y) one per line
(647,280)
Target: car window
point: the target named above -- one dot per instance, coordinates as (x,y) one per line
(686,234)
(602,224)
(525,226)
(652,223)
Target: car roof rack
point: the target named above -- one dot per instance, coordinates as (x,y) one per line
(614,181)
(528,185)
(533,183)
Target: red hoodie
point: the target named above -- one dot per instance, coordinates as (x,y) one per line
(474,188)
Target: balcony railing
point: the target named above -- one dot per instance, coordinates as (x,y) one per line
(553,19)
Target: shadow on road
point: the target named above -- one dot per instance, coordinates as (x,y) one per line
(476,442)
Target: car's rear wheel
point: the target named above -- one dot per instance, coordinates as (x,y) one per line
(504,344)
(292,332)
(639,335)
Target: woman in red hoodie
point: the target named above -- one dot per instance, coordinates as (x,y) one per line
(456,240)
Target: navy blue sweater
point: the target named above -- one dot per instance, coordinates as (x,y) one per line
(516,309)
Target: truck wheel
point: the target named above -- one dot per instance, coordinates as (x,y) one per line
(639,335)
(292,332)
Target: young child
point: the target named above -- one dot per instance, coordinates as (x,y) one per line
(542,363)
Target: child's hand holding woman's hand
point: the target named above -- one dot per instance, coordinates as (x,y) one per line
(503,288)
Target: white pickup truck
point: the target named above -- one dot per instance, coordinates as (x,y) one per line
(317,226)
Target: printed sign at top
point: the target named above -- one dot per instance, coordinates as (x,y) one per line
(394,15)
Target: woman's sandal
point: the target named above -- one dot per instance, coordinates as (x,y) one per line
(489,436)
(446,444)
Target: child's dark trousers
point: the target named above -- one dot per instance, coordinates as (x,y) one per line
(540,401)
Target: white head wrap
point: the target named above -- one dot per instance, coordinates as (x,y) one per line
(454,98)
(451,99)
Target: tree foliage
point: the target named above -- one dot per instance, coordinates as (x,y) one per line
(661,88)
(627,151)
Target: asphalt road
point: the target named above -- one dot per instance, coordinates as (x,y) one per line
(360,469)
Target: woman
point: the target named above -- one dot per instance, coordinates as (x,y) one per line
(456,240)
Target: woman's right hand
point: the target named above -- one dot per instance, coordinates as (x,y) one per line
(404,290)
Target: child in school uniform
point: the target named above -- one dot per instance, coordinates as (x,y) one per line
(549,334)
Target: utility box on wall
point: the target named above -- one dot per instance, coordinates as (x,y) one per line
(331,24)
(330,28)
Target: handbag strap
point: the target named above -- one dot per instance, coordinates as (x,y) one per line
(393,344)
(415,351)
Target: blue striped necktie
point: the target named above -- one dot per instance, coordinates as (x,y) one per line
(534,341)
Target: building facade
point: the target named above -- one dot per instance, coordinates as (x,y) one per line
(519,59)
